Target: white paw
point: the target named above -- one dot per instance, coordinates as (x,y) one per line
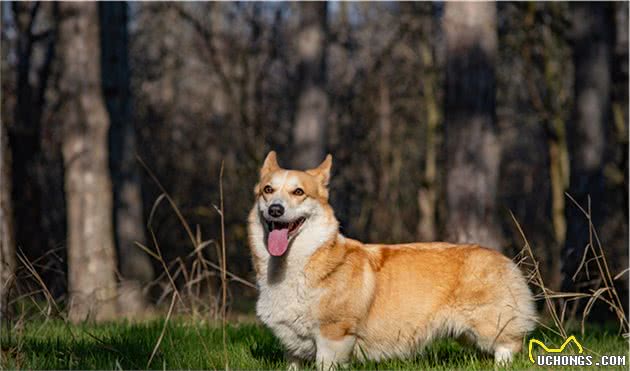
(502,356)
(333,354)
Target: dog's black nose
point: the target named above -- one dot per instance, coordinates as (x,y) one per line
(276,210)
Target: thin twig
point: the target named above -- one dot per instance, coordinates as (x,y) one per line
(168,317)
(223,271)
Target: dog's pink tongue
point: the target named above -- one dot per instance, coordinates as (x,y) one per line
(278,241)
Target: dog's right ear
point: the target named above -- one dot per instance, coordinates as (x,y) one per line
(322,172)
(270,164)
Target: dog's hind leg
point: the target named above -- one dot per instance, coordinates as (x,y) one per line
(500,343)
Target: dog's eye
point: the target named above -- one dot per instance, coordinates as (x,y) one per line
(298,192)
(268,189)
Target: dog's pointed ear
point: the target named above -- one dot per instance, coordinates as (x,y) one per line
(322,172)
(270,164)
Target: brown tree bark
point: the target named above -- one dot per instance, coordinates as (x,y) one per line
(592,57)
(91,253)
(134,264)
(472,146)
(7,241)
(381,213)
(428,192)
(309,132)
(550,105)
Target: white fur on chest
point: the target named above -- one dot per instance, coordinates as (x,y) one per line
(286,304)
(287,308)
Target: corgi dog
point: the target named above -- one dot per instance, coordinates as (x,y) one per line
(329,298)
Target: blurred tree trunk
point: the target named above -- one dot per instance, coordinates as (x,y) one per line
(550,106)
(134,264)
(26,131)
(619,176)
(592,55)
(381,213)
(91,252)
(309,132)
(427,194)
(620,104)
(7,242)
(472,145)
(622,17)
(559,179)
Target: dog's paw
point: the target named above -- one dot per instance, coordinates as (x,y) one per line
(293,366)
(502,356)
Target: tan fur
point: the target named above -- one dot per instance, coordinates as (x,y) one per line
(382,301)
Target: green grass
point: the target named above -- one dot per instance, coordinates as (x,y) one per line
(55,345)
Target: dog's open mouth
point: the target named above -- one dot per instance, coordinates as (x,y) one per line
(279,235)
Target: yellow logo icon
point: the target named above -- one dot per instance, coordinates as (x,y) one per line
(553,350)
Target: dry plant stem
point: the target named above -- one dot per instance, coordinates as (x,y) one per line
(176,293)
(539,281)
(159,341)
(181,218)
(608,289)
(547,294)
(49,298)
(223,270)
(604,271)
(184,223)
(231,275)
(197,249)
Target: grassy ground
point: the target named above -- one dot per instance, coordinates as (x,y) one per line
(55,345)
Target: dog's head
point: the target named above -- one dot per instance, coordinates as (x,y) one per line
(287,200)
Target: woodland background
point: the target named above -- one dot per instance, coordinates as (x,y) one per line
(128,128)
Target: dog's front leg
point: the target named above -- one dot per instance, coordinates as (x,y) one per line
(294,363)
(332,353)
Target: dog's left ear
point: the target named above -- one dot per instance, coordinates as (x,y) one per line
(322,172)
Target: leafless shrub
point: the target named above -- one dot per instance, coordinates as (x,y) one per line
(602,288)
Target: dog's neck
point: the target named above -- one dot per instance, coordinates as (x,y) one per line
(318,231)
